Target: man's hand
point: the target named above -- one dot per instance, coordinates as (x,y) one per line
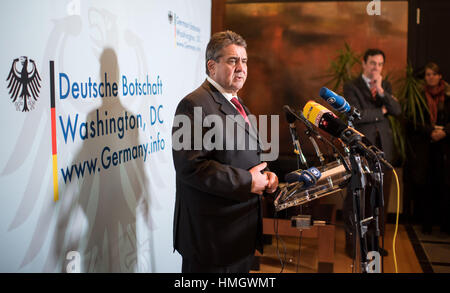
(273,182)
(259,180)
(378,79)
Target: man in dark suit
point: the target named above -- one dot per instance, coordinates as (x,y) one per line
(218,215)
(373,97)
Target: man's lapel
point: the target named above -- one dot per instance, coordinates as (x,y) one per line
(230,112)
(363,87)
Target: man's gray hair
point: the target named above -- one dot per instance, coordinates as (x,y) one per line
(219,41)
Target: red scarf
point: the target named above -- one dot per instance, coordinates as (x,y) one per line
(435,95)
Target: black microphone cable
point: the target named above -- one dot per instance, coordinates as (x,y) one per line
(275,228)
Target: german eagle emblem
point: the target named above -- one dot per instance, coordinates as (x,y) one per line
(24,83)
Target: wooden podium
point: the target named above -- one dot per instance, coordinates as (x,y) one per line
(325,235)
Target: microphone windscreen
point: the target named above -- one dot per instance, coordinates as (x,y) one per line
(335,100)
(323,118)
(294,176)
(313,112)
(308,177)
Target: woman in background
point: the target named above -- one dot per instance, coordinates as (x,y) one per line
(428,165)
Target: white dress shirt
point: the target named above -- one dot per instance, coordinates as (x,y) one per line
(228,96)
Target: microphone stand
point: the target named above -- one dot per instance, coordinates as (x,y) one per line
(310,130)
(298,150)
(357,188)
(294,135)
(316,148)
(367,228)
(377,204)
(369,260)
(354,114)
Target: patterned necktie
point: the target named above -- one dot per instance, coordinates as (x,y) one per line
(373,89)
(240,109)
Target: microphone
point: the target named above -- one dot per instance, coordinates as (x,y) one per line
(339,103)
(307,177)
(302,178)
(323,118)
(330,123)
(290,117)
(310,130)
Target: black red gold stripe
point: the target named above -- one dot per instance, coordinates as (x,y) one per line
(53,120)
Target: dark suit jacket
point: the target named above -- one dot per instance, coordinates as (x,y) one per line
(372,119)
(217,219)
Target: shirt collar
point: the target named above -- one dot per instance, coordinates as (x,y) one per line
(366,79)
(228,96)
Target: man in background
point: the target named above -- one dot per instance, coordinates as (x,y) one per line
(373,97)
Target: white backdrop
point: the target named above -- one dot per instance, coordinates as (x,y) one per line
(115,176)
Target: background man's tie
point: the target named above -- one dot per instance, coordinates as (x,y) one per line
(373,88)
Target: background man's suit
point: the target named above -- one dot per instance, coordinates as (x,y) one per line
(372,119)
(217,220)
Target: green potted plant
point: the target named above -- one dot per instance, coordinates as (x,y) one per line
(414,107)
(410,97)
(342,68)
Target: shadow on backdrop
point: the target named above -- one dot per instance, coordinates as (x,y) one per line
(101,209)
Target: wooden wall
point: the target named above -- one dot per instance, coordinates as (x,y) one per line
(217,16)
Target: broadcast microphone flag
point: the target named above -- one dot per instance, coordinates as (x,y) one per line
(329,122)
(314,111)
